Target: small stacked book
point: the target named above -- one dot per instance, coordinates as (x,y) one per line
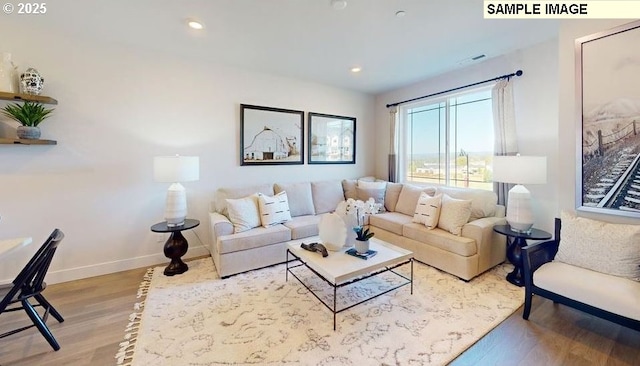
(368,254)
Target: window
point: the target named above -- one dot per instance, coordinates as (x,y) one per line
(449,140)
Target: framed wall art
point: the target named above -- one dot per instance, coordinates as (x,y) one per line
(608,136)
(332,139)
(271,136)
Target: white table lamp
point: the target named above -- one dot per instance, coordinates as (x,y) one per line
(520,170)
(176,169)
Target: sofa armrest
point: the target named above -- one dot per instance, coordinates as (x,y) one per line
(220,225)
(481,229)
(491,246)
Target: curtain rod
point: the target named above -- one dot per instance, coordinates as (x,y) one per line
(506,76)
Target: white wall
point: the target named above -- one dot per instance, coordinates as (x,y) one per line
(118,108)
(568,112)
(536,103)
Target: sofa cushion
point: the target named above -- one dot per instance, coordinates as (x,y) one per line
(391,195)
(408,198)
(223,193)
(611,293)
(428,210)
(600,246)
(390,221)
(349,188)
(243,213)
(441,239)
(326,195)
(255,238)
(454,214)
(367,184)
(273,210)
(303,226)
(483,202)
(300,197)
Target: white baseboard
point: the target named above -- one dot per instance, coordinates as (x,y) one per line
(99,269)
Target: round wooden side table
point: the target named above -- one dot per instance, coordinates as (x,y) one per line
(514,248)
(176,246)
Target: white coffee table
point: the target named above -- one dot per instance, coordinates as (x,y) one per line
(340,269)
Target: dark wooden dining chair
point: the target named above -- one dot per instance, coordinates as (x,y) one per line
(29,285)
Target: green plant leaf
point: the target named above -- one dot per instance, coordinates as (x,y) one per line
(28,114)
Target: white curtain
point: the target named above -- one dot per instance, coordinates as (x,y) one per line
(393,145)
(504,127)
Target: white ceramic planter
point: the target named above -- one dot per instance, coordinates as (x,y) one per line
(362,246)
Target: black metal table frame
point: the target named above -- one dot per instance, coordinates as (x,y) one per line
(358,279)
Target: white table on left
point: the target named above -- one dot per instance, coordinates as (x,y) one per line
(9,245)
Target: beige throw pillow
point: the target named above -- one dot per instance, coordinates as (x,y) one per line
(408,198)
(454,214)
(428,210)
(273,210)
(600,246)
(243,213)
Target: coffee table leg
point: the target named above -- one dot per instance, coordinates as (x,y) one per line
(334,307)
(175,247)
(411,276)
(286,273)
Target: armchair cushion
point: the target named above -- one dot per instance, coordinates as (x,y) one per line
(600,246)
(610,293)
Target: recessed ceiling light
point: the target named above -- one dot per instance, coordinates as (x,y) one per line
(338,4)
(194,24)
(400,13)
(356,69)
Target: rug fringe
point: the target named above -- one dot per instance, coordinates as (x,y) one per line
(127,347)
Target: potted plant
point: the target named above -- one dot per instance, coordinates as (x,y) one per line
(29,115)
(362,239)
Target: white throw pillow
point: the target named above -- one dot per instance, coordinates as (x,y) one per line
(428,210)
(274,210)
(243,213)
(454,214)
(600,246)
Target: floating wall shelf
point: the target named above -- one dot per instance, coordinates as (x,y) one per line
(27,98)
(5,141)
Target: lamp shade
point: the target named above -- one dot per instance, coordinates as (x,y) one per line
(520,169)
(171,169)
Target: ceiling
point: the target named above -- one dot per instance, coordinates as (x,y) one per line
(306,39)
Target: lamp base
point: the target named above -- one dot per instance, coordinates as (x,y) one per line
(175,211)
(519,212)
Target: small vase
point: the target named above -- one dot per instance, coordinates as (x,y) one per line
(31,82)
(28,132)
(362,246)
(8,74)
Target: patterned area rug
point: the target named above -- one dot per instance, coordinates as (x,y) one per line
(258,318)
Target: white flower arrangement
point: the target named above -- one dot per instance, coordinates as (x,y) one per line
(358,208)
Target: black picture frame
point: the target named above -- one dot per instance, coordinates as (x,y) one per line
(608,121)
(331,139)
(271,136)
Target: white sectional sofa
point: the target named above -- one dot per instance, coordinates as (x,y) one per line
(477,247)
(259,247)
(467,253)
